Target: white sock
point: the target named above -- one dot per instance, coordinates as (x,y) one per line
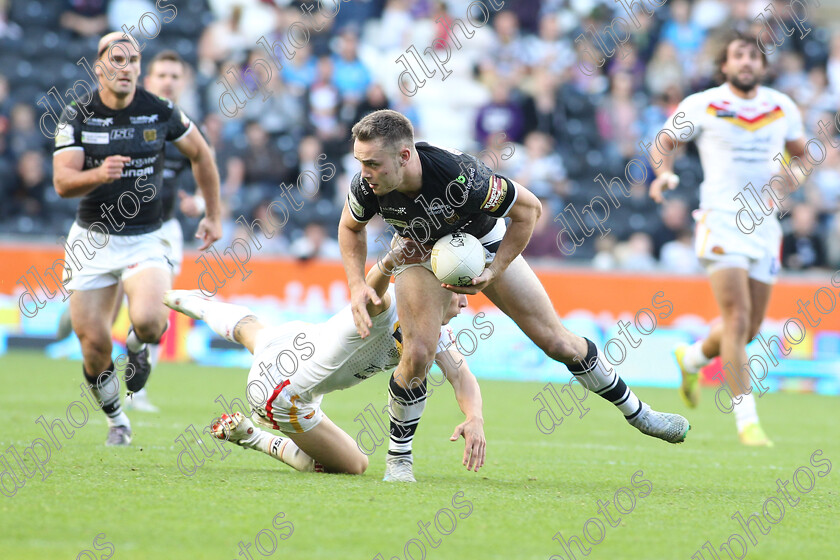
(223,317)
(108,393)
(745,412)
(694,358)
(121,419)
(154,354)
(133,343)
(281,448)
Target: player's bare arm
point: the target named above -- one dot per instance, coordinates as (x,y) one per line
(352,240)
(403,251)
(379,278)
(666,179)
(206,175)
(71,182)
(468,395)
(523,217)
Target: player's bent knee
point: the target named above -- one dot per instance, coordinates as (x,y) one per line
(93,345)
(149,329)
(417,359)
(559,348)
(737,322)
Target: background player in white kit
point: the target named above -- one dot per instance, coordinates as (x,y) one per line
(330,356)
(739,128)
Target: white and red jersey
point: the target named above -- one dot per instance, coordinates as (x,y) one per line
(338,357)
(737,138)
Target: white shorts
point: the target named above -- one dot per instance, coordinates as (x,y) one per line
(490,241)
(171,229)
(120,257)
(720,244)
(275,398)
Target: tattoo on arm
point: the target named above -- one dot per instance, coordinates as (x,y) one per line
(244,322)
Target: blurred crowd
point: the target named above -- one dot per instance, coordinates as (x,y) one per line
(515,94)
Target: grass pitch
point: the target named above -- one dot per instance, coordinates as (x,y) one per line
(532,486)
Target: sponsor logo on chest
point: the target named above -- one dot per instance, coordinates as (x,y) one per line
(96,121)
(95,137)
(122,134)
(144,119)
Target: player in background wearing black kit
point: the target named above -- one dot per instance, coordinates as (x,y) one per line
(110,153)
(165,77)
(426,192)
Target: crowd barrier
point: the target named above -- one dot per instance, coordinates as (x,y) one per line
(635,318)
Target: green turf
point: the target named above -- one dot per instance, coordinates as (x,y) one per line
(532,486)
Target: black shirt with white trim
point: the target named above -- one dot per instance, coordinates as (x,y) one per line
(139,131)
(458,193)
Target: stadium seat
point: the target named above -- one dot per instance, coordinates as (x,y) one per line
(32,13)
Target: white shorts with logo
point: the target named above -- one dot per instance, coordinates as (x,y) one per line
(488,240)
(120,256)
(720,244)
(171,229)
(280,405)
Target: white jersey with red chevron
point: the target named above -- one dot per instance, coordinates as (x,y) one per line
(737,138)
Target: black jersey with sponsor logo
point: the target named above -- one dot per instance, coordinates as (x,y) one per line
(174,165)
(175,176)
(140,131)
(459,193)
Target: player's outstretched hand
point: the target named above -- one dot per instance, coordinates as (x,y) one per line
(478,283)
(474,442)
(209,230)
(666,181)
(358,304)
(112,168)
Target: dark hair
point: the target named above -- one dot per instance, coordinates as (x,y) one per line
(722,55)
(169,55)
(392,127)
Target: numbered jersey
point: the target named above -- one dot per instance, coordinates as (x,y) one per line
(140,131)
(459,193)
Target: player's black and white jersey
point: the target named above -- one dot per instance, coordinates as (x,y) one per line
(176,175)
(174,164)
(140,131)
(459,193)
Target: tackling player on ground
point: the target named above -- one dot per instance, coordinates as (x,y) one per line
(739,127)
(112,158)
(426,192)
(330,356)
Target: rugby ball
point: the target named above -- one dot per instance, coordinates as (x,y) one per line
(457,258)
